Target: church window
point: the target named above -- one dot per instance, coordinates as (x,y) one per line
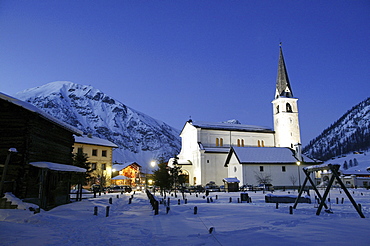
(221,142)
(283,169)
(217,142)
(235,169)
(242,142)
(207,161)
(262,143)
(288,108)
(259,143)
(238,142)
(277,109)
(261,168)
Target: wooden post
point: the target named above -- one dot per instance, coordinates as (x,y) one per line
(95,210)
(290,210)
(195,210)
(107,211)
(110,200)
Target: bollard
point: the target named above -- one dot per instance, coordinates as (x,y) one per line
(117,196)
(216,197)
(250,199)
(156,206)
(211,230)
(230,200)
(290,210)
(211,199)
(95,210)
(359,207)
(121,192)
(167,210)
(178,201)
(107,211)
(186,201)
(110,200)
(337,200)
(238,200)
(168,201)
(196,195)
(277,205)
(207,199)
(342,200)
(129,200)
(195,210)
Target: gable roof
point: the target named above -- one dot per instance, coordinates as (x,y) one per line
(229,127)
(264,155)
(39,112)
(94,141)
(119,167)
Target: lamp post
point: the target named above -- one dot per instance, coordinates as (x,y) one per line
(299,175)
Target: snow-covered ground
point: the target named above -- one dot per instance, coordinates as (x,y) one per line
(256,223)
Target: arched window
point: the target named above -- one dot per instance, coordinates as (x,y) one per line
(277,109)
(242,142)
(221,142)
(263,143)
(259,143)
(238,142)
(288,108)
(217,142)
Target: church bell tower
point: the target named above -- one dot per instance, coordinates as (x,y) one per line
(285,109)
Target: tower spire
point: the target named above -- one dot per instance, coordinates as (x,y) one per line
(283,88)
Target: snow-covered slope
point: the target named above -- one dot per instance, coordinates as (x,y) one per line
(350,133)
(140,138)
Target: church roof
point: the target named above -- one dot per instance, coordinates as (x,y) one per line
(283,88)
(231,127)
(264,155)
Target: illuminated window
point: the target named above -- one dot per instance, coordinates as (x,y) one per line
(217,142)
(242,142)
(221,142)
(103,166)
(263,143)
(238,142)
(259,143)
(93,166)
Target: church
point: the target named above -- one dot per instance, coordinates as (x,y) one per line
(217,151)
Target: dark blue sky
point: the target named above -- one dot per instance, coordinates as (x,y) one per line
(211,60)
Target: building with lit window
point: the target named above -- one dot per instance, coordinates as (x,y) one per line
(214,151)
(99,152)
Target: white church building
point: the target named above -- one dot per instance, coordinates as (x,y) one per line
(215,151)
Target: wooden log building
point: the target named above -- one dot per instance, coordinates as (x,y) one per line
(40,171)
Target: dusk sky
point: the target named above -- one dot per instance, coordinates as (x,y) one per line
(211,60)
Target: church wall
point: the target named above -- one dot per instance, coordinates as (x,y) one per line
(279,178)
(213,168)
(235,170)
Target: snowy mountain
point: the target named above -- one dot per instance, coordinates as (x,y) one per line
(348,134)
(140,138)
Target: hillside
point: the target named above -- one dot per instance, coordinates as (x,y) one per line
(140,137)
(349,133)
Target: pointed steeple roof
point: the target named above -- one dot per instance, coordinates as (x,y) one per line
(283,88)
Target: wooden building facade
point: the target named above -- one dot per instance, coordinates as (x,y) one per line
(38,137)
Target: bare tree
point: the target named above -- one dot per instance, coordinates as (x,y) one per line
(263,178)
(293,179)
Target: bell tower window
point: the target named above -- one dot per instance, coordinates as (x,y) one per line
(289,108)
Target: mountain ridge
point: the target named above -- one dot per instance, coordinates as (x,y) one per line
(351,132)
(140,137)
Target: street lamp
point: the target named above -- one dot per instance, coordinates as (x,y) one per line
(299,175)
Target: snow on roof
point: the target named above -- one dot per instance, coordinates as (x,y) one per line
(58,167)
(41,113)
(94,141)
(232,127)
(231,180)
(120,177)
(119,167)
(264,155)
